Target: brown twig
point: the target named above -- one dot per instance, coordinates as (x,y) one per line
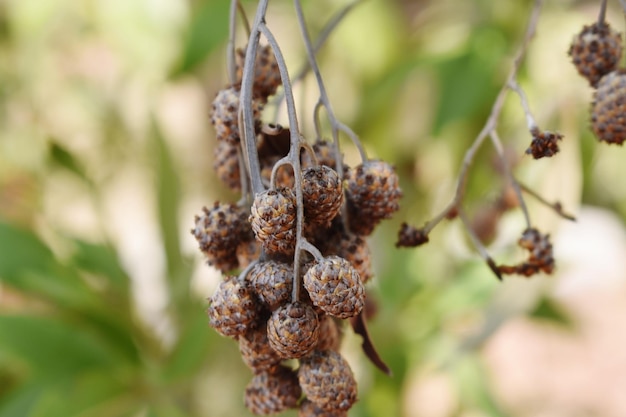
(489,127)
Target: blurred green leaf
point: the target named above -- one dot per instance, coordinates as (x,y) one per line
(50,346)
(63,158)
(21,250)
(473,384)
(85,395)
(207,31)
(193,346)
(28,264)
(22,401)
(102,260)
(169,196)
(549,310)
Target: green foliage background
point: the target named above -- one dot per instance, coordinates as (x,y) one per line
(106,154)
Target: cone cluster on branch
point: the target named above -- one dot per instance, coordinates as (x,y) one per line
(596,52)
(290,337)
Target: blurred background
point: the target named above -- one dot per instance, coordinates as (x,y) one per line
(106,154)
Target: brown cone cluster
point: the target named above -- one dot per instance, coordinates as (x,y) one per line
(596,52)
(289,336)
(609,107)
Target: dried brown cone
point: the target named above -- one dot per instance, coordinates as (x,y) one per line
(226,164)
(293,330)
(324,152)
(330,333)
(322,195)
(327,380)
(541,257)
(335,287)
(256,351)
(596,51)
(233,309)
(284,175)
(310,409)
(273,219)
(544,143)
(266,73)
(410,236)
(273,392)
(219,231)
(272,282)
(373,194)
(224,114)
(247,252)
(355,250)
(608,109)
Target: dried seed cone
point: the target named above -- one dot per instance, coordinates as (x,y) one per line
(335,287)
(354,249)
(330,334)
(224,114)
(596,51)
(247,252)
(273,392)
(284,175)
(609,107)
(272,282)
(324,153)
(322,195)
(273,219)
(266,73)
(233,310)
(293,330)
(226,164)
(219,231)
(256,351)
(373,193)
(327,380)
(309,409)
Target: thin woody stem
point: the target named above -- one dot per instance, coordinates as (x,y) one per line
(554,206)
(232,37)
(478,244)
(530,120)
(497,143)
(335,124)
(293,158)
(602,14)
(322,38)
(489,126)
(247,123)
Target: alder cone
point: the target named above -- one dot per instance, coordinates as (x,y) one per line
(256,351)
(325,154)
(293,330)
(273,219)
(354,249)
(609,107)
(247,252)
(219,231)
(310,409)
(225,112)
(272,282)
(335,287)
(596,51)
(327,380)
(273,392)
(233,310)
(226,164)
(322,195)
(373,193)
(266,73)
(330,334)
